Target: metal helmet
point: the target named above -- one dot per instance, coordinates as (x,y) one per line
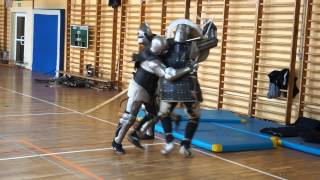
(196,31)
(158,45)
(182,33)
(144,34)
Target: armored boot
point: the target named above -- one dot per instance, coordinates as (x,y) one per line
(185,149)
(135,140)
(117,147)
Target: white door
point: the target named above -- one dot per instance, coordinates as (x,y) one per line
(19,53)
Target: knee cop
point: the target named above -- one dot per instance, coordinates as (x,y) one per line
(126,121)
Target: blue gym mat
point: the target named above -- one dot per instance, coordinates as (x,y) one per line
(223,131)
(210,116)
(219,139)
(297,143)
(253,127)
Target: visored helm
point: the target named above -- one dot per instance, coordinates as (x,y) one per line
(144,34)
(182,33)
(159,45)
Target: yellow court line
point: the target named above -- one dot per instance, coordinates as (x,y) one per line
(66,162)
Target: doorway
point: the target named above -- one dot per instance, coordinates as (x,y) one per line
(19,53)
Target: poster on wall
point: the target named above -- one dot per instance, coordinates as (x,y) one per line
(79,36)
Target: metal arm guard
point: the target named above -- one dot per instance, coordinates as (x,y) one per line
(206,44)
(208,41)
(178,73)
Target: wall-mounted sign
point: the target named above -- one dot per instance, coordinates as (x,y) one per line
(79,36)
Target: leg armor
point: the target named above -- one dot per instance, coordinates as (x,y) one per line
(165,110)
(151,112)
(148,125)
(193,111)
(144,125)
(127,119)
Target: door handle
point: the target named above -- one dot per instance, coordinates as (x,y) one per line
(22,40)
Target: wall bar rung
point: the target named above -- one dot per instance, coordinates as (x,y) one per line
(83,21)
(304,65)
(255,62)
(163,17)
(122,41)
(293,60)
(223,52)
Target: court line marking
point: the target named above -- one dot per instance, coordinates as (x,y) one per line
(71,152)
(36,114)
(66,162)
(45,101)
(203,152)
(44,158)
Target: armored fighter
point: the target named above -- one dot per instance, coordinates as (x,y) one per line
(189,45)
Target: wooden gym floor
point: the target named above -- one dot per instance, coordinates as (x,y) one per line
(44,134)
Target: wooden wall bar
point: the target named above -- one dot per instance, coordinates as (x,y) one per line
(94,22)
(235,81)
(199,11)
(187,9)
(224,37)
(8,30)
(68,23)
(143,5)
(123,17)
(175,10)
(274,54)
(74,56)
(98,37)
(130,46)
(153,16)
(3,26)
(163,16)
(310,70)
(142,12)
(114,44)
(83,21)
(256,55)
(304,65)
(209,70)
(292,68)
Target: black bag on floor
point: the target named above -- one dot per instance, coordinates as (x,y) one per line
(307,124)
(306,128)
(312,136)
(282,131)
(309,129)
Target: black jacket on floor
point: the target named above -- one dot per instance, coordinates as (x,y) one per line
(307,128)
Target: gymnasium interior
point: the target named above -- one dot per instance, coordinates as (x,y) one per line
(66,65)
